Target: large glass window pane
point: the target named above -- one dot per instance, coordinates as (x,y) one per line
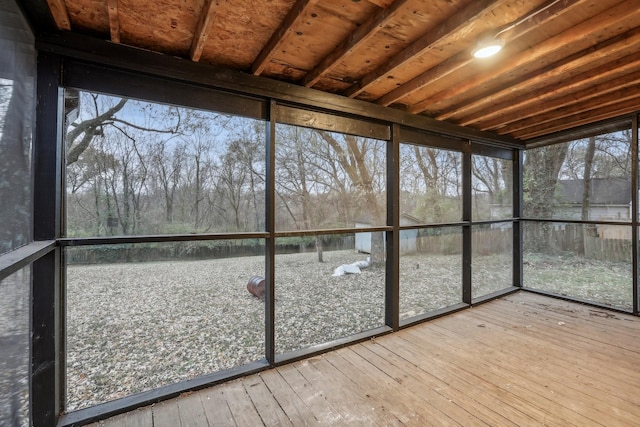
(14,348)
(140,316)
(137,167)
(430,185)
(430,270)
(586,179)
(17,73)
(325,289)
(491,188)
(492,258)
(328,180)
(585,261)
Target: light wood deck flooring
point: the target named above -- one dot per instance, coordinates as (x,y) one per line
(523,360)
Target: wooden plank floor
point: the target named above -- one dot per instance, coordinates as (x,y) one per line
(523,360)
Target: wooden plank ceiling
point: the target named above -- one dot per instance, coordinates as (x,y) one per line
(565,62)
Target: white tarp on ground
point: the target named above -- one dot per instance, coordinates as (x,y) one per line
(353,268)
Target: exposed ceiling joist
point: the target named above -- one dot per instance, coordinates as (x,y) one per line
(510,111)
(464,58)
(263,58)
(114,23)
(535,54)
(363,33)
(608,93)
(585,117)
(551,72)
(420,46)
(560,58)
(60,15)
(207,14)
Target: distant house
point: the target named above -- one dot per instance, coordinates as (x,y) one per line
(609,199)
(407,237)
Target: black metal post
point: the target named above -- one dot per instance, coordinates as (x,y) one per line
(47,347)
(467,228)
(269,307)
(392,287)
(634,212)
(518,232)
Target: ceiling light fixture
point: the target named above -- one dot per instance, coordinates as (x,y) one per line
(487,46)
(490,45)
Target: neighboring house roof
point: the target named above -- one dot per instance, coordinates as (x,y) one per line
(604,191)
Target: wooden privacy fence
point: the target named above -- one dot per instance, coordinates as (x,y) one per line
(581,240)
(484,242)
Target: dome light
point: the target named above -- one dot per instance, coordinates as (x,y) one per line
(488,47)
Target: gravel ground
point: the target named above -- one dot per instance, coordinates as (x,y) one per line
(135,327)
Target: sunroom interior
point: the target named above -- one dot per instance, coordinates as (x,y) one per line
(310,212)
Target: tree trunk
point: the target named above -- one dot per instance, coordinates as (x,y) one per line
(588,229)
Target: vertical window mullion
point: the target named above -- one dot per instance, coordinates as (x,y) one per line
(392,291)
(517,213)
(270,228)
(634,214)
(47,346)
(466,229)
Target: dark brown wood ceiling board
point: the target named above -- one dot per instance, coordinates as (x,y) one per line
(566,68)
(114,22)
(510,111)
(519,63)
(432,76)
(352,42)
(299,8)
(588,116)
(60,15)
(201,33)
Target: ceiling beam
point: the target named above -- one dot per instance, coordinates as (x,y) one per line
(573,104)
(200,35)
(277,38)
(512,110)
(464,57)
(596,113)
(362,34)
(532,55)
(526,84)
(60,14)
(456,22)
(114,21)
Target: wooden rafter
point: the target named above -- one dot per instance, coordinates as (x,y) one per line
(464,58)
(599,112)
(277,38)
(535,54)
(114,21)
(202,28)
(421,45)
(598,96)
(512,110)
(363,33)
(579,106)
(551,71)
(60,15)
(559,68)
